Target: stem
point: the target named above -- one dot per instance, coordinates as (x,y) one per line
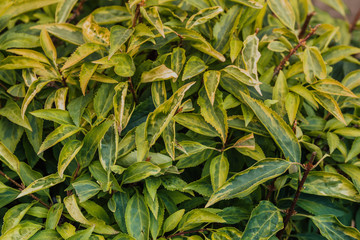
(290,211)
(77,11)
(183,233)
(3,86)
(133,91)
(306,24)
(22,187)
(76,171)
(137,13)
(271,189)
(302,42)
(353,23)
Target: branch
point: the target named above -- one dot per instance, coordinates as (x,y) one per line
(290,211)
(137,12)
(22,187)
(306,24)
(302,42)
(353,23)
(77,11)
(3,86)
(188,232)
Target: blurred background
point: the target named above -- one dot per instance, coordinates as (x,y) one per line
(353,6)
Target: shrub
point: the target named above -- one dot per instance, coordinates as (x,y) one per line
(167,119)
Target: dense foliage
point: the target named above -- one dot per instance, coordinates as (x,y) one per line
(195,119)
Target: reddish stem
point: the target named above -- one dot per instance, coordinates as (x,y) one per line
(290,211)
(306,24)
(302,42)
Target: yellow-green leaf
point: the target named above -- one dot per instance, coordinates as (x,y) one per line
(158,73)
(284,11)
(80,53)
(333,87)
(48,46)
(211,82)
(313,64)
(41,184)
(245,182)
(278,129)
(152,16)
(330,104)
(59,134)
(219,169)
(67,154)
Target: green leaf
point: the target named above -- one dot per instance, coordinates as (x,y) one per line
(46,234)
(9,159)
(355,149)
(247,142)
(82,234)
(86,72)
(153,17)
(59,134)
(338,53)
(211,82)
(196,217)
(250,3)
(41,184)
(17,62)
(225,27)
(193,67)
(12,112)
(168,136)
(245,182)
(108,149)
(353,172)
(254,126)
(215,114)
(66,32)
(63,10)
(139,171)
(23,230)
(157,121)
(30,54)
(292,104)
(330,104)
(304,93)
(158,73)
(80,53)
(123,106)
(34,89)
(96,211)
(85,189)
(330,185)
(48,46)
(91,142)
(333,87)
(314,65)
(219,169)
(235,47)
(331,228)
(173,220)
(352,80)
(203,16)
(73,209)
(93,33)
(54,215)
(198,42)
(240,75)
(264,222)
(278,129)
(178,59)
(333,141)
(284,11)
(118,36)
(195,122)
(103,100)
(66,230)
(56,115)
(280,92)
(14,215)
(137,218)
(77,107)
(7,194)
